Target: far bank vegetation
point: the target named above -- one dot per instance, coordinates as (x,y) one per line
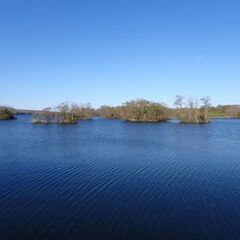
(109,112)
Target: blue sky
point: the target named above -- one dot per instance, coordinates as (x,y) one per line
(107,52)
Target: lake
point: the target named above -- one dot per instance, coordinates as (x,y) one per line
(110,179)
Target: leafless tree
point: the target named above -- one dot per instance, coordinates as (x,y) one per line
(206,106)
(190,111)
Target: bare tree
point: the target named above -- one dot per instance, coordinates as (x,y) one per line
(206,106)
(179,102)
(47,114)
(190,111)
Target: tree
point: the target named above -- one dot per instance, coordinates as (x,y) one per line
(179,102)
(206,106)
(47,114)
(109,112)
(190,111)
(64,113)
(82,111)
(143,110)
(181,108)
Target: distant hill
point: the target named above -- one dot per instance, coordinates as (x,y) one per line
(220,111)
(20,111)
(9,108)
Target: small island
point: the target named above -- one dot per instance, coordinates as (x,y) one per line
(193,110)
(6,114)
(64,113)
(141,110)
(186,110)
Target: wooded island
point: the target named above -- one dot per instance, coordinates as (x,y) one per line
(139,110)
(186,110)
(6,114)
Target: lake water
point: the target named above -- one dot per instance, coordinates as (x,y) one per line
(108,179)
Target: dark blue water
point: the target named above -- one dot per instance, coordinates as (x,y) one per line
(107,179)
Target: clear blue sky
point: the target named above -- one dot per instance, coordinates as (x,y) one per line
(110,51)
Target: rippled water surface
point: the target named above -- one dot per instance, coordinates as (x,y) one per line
(108,179)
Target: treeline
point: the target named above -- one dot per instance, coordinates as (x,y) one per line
(227,111)
(64,113)
(139,110)
(187,110)
(135,110)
